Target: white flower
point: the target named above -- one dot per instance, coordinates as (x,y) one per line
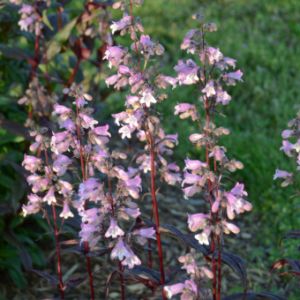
(114,230)
(202,238)
(125,132)
(147,99)
(66,212)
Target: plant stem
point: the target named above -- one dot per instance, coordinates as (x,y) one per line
(210,188)
(122,284)
(59,271)
(219,269)
(89,270)
(56,238)
(84,177)
(155,211)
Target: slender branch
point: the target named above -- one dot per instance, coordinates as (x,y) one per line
(122,284)
(121,275)
(57,244)
(155,211)
(84,177)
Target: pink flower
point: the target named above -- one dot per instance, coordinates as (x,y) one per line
(147,98)
(90,226)
(126,131)
(90,190)
(236,204)
(197,221)
(87,121)
(50,196)
(131,260)
(61,110)
(132,212)
(194,165)
(223,97)
(190,191)
(188,43)
(231,78)
(31,163)
(218,153)
(33,206)
(65,188)
(66,212)
(38,183)
(282,174)
(187,73)
(148,233)
(113,230)
(230,228)
(165,81)
(121,24)
(61,164)
(213,55)
(120,250)
(26,9)
(186,110)
(114,55)
(196,137)
(287,148)
(209,89)
(60,142)
(287,133)
(99,135)
(173,290)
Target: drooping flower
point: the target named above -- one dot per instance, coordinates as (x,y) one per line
(114,230)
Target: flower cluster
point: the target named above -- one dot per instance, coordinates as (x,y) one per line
(140,117)
(211,74)
(189,288)
(291,147)
(30,20)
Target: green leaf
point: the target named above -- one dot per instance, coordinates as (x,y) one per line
(46,20)
(54,46)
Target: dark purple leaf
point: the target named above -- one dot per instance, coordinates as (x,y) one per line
(144,273)
(187,239)
(293,234)
(254,296)
(236,263)
(51,278)
(292,263)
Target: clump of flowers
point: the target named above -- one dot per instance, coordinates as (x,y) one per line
(136,70)
(106,206)
(205,176)
(290,146)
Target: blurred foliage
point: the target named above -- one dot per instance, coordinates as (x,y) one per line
(262,35)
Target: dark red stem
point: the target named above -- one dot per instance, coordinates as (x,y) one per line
(219,269)
(89,270)
(121,276)
(155,211)
(59,271)
(56,238)
(84,177)
(122,284)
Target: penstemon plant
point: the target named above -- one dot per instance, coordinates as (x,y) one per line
(104,197)
(207,176)
(76,171)
(290,146)
(136,69)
